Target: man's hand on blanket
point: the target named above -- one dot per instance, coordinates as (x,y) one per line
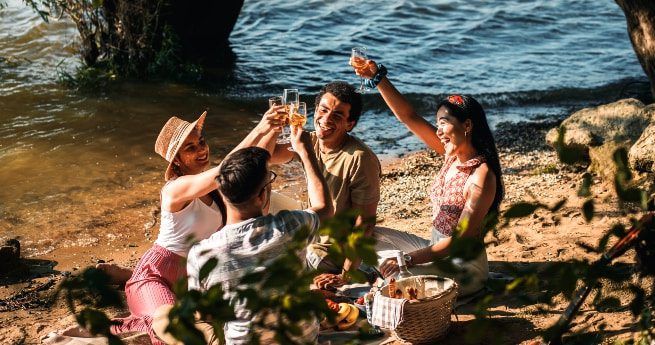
(329,281)
(389,267)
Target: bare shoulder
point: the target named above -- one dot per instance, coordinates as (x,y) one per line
(166,190)
(483,176)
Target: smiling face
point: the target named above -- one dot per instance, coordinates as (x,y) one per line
(451,131)
(332,119)
(193,156)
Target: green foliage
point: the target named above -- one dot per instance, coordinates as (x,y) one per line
(349,241)
(91,289)
(120,40)
(281,290)
(167,63)
(543,285)
(531,286)
(87,78)
(278,296)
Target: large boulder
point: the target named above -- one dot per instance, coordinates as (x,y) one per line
(642,153)
(621,121)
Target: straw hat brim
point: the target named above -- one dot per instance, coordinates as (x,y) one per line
(197,124)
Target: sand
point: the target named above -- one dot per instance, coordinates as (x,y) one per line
(122,229)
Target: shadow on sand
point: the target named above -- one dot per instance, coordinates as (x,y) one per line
(506,323)
(27,282)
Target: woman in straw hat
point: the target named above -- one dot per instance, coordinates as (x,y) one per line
(191,210)
(467,188)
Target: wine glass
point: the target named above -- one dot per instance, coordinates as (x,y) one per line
(290,99)
(298,117)
(291,96)
(275,101)
(359,58)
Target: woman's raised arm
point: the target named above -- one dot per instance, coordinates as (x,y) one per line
(178,192)
(401,108)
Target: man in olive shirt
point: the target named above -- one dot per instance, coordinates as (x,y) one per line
(350,168)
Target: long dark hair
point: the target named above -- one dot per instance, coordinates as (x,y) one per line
(465,107)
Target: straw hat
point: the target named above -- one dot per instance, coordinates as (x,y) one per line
(172,136)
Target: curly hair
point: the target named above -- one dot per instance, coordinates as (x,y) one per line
(345,93)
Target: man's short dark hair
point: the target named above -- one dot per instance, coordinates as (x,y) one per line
(345,93)
(242,174)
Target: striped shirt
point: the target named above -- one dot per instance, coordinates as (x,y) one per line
(241,248)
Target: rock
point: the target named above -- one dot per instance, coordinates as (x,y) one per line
(620,121)
(9,255)
(642,153)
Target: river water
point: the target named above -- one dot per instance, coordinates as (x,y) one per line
(64,152)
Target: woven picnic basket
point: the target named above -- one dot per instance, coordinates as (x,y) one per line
(428,319)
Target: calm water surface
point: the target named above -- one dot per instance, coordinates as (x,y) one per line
(525,60)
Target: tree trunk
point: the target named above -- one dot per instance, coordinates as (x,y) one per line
(640,16)
(204,27)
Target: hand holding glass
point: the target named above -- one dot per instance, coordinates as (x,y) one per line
(277,101)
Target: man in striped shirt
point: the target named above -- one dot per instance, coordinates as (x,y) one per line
(250,237)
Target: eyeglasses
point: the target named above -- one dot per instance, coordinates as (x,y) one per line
(273,177)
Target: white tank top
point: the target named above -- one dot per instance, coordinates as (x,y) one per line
(196,219)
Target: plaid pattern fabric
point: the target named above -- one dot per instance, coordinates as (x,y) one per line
(240,248)
(387,312)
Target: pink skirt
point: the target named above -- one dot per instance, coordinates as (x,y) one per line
(149,288)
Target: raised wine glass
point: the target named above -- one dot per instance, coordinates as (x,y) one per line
(290,99)
(275,101)
(359,58)
(298,117)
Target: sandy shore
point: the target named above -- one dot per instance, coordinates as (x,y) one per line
(119,229)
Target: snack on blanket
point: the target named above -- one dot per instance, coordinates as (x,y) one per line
(347,316)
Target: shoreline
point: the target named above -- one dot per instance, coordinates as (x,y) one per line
(531,171)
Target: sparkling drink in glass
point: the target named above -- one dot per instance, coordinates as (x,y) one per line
(290,99)
(359,57)
(299,116)
(282,115)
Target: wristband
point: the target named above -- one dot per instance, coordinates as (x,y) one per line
(377,78)
(409,260)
